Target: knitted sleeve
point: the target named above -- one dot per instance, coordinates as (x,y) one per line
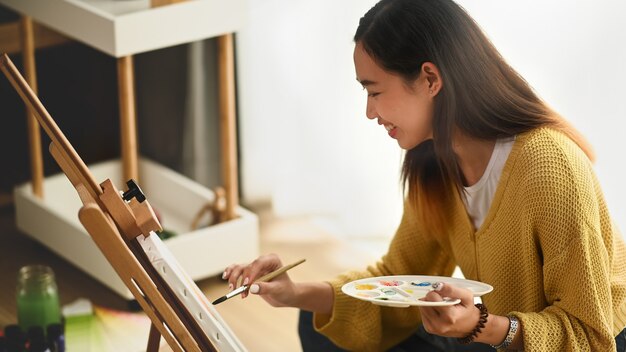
(575,238)
(362,326)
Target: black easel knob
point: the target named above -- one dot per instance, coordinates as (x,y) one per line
(133,192)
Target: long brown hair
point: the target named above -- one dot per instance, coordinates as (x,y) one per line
(482,96)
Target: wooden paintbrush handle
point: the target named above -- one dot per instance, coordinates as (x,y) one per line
(273,274)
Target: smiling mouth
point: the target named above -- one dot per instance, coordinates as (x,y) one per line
(391,130)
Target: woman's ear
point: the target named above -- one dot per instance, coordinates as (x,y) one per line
(433,78)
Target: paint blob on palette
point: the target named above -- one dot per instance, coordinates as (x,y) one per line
(408,290)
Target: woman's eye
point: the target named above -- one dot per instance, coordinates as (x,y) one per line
(370,94)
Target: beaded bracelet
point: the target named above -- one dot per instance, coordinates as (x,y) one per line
(481,324)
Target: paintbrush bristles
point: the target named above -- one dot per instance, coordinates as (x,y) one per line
(219,300)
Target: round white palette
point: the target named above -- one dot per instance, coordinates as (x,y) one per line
(407,290)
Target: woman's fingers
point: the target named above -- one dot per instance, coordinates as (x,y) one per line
(233,275)
(429,318)
(244,274)
(278,293)
(452,321)
(261,266)
(447,291)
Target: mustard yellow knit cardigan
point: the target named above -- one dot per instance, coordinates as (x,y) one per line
(547,246)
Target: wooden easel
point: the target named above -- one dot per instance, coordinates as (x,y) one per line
(117,223)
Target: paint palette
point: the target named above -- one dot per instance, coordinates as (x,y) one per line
(408,290)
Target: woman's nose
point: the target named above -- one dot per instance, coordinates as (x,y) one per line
(370,112)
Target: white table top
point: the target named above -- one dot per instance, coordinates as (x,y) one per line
(126,27)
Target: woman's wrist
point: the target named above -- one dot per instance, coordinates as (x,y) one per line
(315,297)
(495,330)
(511,334)
(482,320)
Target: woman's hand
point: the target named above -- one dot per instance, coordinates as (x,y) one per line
(460,319)
(452,321)
(280,292)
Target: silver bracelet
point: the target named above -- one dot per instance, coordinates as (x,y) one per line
(508,340)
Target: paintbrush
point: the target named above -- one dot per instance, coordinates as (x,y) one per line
(264,278)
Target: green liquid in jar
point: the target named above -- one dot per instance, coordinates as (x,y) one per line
(38,310)
(37,298)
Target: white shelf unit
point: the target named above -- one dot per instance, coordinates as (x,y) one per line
(122,28)
(126,27)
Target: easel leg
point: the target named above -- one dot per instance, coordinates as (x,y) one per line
(154,339)
(128,118)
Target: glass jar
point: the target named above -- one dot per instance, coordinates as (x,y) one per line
(37,297)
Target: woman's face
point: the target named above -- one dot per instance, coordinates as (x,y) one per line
(406,111)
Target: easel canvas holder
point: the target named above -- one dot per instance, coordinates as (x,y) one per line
(122,226)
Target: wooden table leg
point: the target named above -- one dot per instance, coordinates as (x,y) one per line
(128,118)
(154,339)
(34,134)
(228,126)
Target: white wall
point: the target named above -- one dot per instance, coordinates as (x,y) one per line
(307,146)
(574,55)
(306,143)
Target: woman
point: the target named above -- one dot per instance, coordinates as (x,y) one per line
(497,184)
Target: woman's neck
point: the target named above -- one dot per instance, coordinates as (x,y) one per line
(473,156)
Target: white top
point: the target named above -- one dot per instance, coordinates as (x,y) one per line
(478,196)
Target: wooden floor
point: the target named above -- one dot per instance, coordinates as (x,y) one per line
(259,326)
